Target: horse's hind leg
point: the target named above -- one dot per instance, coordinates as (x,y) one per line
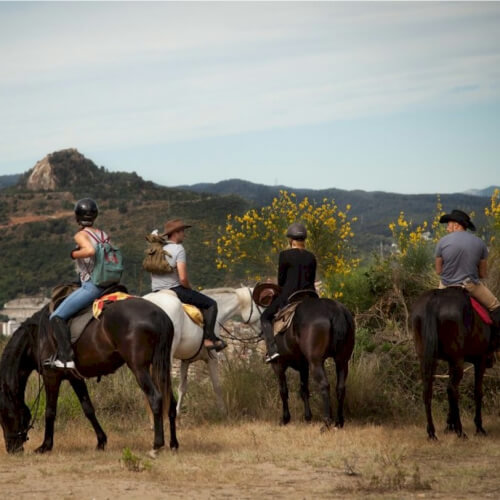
(319,374)
(479,368)
(172,414)
(456,372)
(80,388)
(155,402)
(304,391)
(52,384)
(183,381)
(280,372)
(342,369)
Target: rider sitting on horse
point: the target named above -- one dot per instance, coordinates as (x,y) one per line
(296,271)
(86,212)
(461,260)
(178,282)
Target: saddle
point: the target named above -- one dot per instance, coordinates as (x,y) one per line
(284,318)
(194,313)
(82,318)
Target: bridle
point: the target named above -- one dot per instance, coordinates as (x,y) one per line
(247,322)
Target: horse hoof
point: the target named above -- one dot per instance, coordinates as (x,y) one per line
(174,446)
(42,449)
(481,432)
(462,435)
(154,453)
(432,437)
(101,446)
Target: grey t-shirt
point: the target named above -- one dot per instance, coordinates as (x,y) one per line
(169,280)
(461,252)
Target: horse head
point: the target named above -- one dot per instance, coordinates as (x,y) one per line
(15,418)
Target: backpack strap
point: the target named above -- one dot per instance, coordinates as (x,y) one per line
(101,240)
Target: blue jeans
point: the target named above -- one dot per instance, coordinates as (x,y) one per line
(80,298)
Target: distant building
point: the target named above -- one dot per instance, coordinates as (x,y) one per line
(18,310)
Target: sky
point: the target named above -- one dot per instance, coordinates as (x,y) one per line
(401,96)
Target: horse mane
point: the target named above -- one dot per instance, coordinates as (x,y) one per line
(18,345)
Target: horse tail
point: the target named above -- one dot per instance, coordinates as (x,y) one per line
(162,359)
(430,336)
(341,324)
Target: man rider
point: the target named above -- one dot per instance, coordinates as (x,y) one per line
(296,271)
(178,282)
(461,260)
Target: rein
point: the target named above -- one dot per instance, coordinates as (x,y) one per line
(251,340)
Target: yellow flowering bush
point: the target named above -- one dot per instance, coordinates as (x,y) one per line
(407,237)
(493,214)
(255,239)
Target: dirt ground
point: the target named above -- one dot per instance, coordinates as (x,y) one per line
(258,460)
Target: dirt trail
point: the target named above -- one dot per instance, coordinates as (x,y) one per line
(14,221)
(258,460)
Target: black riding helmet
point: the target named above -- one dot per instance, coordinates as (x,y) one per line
(86,211)
(297,231)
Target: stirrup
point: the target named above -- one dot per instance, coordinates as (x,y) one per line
(271,357)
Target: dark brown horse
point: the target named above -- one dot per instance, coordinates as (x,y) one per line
(321,328)
(447,327)
(133,331)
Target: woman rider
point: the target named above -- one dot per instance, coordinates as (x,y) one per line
(86,211)
(296,271)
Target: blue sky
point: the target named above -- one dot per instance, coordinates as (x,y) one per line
(401,97)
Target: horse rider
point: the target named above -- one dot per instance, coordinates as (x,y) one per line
(86,212)
(296,271)
(461,260)
(178,282)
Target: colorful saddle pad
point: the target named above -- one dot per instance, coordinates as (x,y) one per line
(101,302)
(481,310)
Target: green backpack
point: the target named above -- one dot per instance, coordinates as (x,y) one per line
(108,262)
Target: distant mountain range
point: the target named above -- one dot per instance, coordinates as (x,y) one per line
(37,223)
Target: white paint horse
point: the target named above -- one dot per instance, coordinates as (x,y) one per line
(188,345)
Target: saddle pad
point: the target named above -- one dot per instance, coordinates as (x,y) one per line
(481,310)
(100,303)
(284,318)
(78,323)
(192,311)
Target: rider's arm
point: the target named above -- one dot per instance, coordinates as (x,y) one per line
(439,265)
(183,276)
(483,269)
(85,247)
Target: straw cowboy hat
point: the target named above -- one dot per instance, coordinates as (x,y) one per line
(174,225)
(264,293)
(458,216)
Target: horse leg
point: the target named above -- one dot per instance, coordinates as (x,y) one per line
(183,375)
(279,370)
(52,385)
(304,391)
(319,374)
(155,400)
(479,368)
(427,379)
(214,377)
(456,372)
(80,388)
(172,414)
(342,369)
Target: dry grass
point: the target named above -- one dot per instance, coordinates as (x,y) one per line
(255,459)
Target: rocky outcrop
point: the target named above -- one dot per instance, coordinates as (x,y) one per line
(43,176)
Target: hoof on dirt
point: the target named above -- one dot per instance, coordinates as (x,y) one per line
(481,432)
(154,453)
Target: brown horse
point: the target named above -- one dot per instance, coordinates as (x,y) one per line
(133,331)
(321,328)
(447,327)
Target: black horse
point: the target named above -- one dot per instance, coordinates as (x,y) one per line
(133,331)
(320,329)
(447,327)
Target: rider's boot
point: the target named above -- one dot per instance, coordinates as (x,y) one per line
(65,357)
(209,318)
(268,334)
